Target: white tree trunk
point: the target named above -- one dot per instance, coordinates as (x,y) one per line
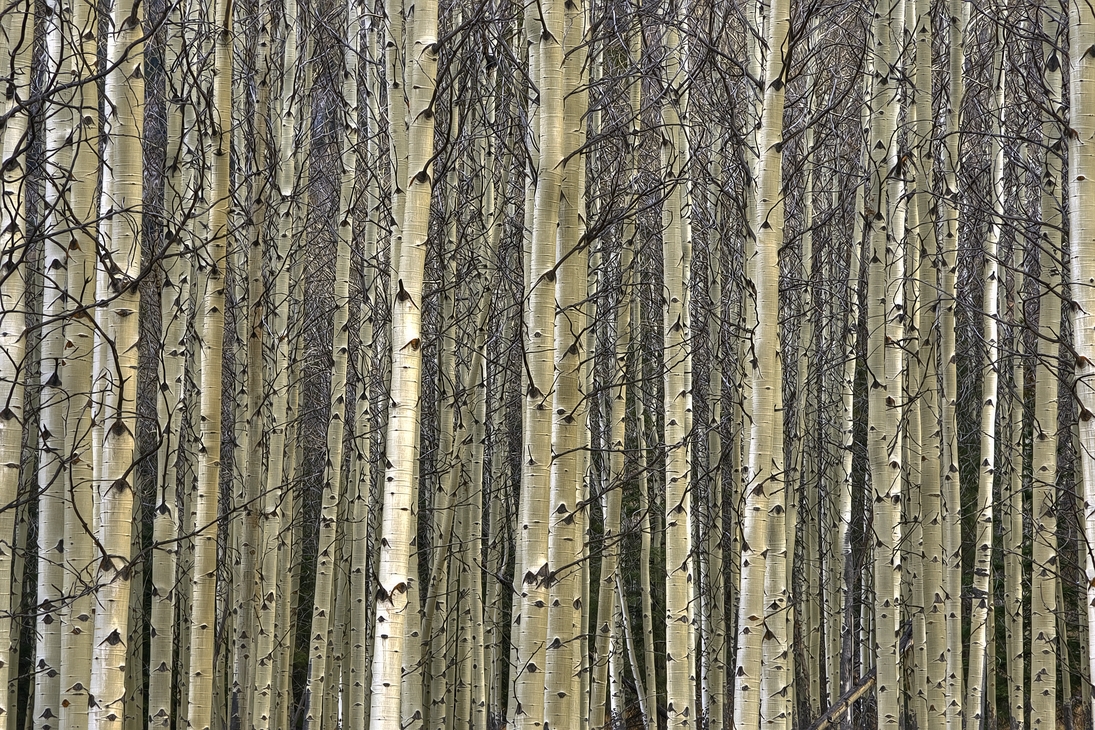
(1081,197)
(396,580)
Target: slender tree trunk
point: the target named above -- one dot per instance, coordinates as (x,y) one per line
(958,12)
(76,640)
(116,346)
(613,498)
(51,406)
(569,434)
(679,656)
(326,565)
(762,659)
(982,590)
(1012,504)
(394,593)
(1044,553)
(885,312)
(532,575)
(261,588)
(1081,198)
(175,306)
(15,51)
(201,712)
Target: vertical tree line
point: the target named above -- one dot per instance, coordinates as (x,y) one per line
(437,364)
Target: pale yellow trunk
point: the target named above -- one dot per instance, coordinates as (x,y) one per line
(1081,197)
(116,347)
(320,681)
(762,662)
(15,51)
(680,674)
(569,435)
(531,577)
(958,12)
(885,366)
(51,406)
(76,646)
(1044,558)
(982,591)
(396,579)
(200,713)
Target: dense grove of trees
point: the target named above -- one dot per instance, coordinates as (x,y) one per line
(445,364)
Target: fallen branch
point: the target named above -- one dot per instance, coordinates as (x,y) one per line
(836,711)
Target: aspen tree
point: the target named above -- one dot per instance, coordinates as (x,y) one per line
(915,671)
(295,227)
(680,675)
(532,22)
(76,640)
(592,459)
(531,559)
(275,542)
(200,695)
(116,347)
(764,484)
(241,600)
(288,601)
(16,24)
(615,659)
(1081,199)
(395,60)
(713,676)
(262,613)
(171,406)
(467,678)
(980,612)
(842,598)
(802,468)
(737,400)
(498,383)
(613,497)
(650,684)
(838,483)
(958,14)
(51,407)
(329,517)
(250,185)
(473,592)
(884,364)
(395,577)
(646,522)
(63,667)
(361,474)
(1012,505)
(934,671)
(18,580)
(438,620)
(568,429)
(1044,552)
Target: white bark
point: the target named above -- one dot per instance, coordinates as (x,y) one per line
(399,529)
(15,51)
(1081,197)
(116,354)
(762,645)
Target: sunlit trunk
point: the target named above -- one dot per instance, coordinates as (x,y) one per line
(762,645)
(980,613)
(1081,197)
(201,713)
(16,26)
(394,593)
(116,357)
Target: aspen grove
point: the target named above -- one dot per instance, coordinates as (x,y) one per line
(547,364)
